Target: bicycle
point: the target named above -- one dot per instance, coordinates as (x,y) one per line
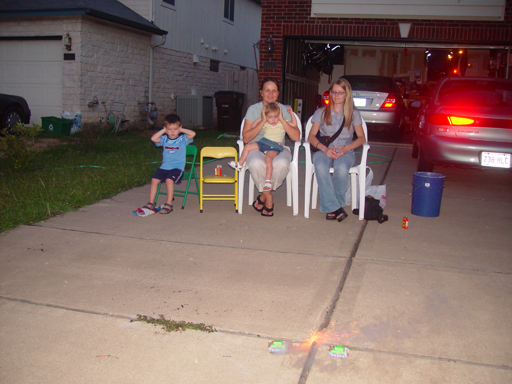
(151,113)
(114,115)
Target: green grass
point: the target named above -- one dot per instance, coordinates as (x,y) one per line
(65,177)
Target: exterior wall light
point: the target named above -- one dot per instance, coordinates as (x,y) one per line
(270,44)
(67,41)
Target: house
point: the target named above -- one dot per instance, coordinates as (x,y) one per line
(71,55)
(382,37)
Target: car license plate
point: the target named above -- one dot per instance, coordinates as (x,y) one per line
(495,159)
(358,102)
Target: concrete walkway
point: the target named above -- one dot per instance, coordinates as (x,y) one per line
(430,304)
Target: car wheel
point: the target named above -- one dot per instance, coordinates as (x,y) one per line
(11,118)
(423,164)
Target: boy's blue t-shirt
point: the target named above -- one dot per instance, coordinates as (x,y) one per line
(175,153)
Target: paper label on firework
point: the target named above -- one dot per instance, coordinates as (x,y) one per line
(277,346)
(338,351)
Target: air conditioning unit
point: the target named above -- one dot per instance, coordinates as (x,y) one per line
(195,110)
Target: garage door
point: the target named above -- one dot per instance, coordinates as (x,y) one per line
(33,69)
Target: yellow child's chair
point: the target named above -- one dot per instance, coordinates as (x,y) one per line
(217,153)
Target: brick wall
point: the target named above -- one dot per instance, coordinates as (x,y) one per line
(290,18)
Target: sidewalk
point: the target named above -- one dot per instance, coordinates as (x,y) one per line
(429,304)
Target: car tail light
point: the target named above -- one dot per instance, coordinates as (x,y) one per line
(390,102)
(444,119)
(458,120)
(325,98)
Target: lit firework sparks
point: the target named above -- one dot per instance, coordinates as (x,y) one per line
(327,337)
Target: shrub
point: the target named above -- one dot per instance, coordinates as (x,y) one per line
(90,134)
(17,144)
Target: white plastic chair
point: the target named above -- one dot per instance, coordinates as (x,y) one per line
(357,171)
(292,179)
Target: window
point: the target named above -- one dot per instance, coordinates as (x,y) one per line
(170,2)
(229,10)
(214,65)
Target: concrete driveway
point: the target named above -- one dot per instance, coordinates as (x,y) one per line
(429,304)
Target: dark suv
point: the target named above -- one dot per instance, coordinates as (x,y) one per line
(13,110)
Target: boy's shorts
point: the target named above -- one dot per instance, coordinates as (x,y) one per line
(164,174)
(265,145)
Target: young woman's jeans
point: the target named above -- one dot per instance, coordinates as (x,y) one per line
(332,189)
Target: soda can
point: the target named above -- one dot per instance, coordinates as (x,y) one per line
(218,170)
(405,223)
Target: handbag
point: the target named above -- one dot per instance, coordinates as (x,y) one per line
(327,140)
(372,210)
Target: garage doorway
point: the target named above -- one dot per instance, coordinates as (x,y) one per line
(33,69)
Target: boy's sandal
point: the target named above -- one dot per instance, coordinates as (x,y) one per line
(267,187)
(267,212)
(150,206)
(166,209)
(258,202)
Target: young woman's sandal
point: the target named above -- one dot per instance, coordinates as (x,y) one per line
(150,206)
(258,202)
(166,209)
(267,212)
(267,187)
(338,214)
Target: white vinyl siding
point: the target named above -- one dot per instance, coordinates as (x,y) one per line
(411,9)
(198,27)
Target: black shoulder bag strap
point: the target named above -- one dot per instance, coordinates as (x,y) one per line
(327,140)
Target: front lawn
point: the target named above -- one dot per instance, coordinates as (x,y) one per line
(67,176)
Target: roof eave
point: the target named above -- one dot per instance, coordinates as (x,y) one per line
(87,11)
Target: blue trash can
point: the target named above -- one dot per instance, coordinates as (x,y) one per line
(427,191)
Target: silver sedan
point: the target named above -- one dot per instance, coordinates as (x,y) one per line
(466,122)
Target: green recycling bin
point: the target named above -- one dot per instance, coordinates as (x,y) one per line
(56,126)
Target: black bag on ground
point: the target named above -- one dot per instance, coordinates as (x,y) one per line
(372,210)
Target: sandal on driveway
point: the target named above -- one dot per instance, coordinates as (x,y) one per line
(258,202)
(267,212)
(338,214)
(267,187)
(166,209)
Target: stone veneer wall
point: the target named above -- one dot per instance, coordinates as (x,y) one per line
(175,73)
(114,67)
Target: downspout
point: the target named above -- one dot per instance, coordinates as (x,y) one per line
(156,41)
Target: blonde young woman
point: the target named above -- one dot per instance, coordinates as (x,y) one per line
(256,160)
(340,153)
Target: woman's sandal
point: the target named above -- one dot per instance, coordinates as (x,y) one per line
(338,214)
(269,212)
(267,187)
(150,206)
(258,202)
(165,210)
